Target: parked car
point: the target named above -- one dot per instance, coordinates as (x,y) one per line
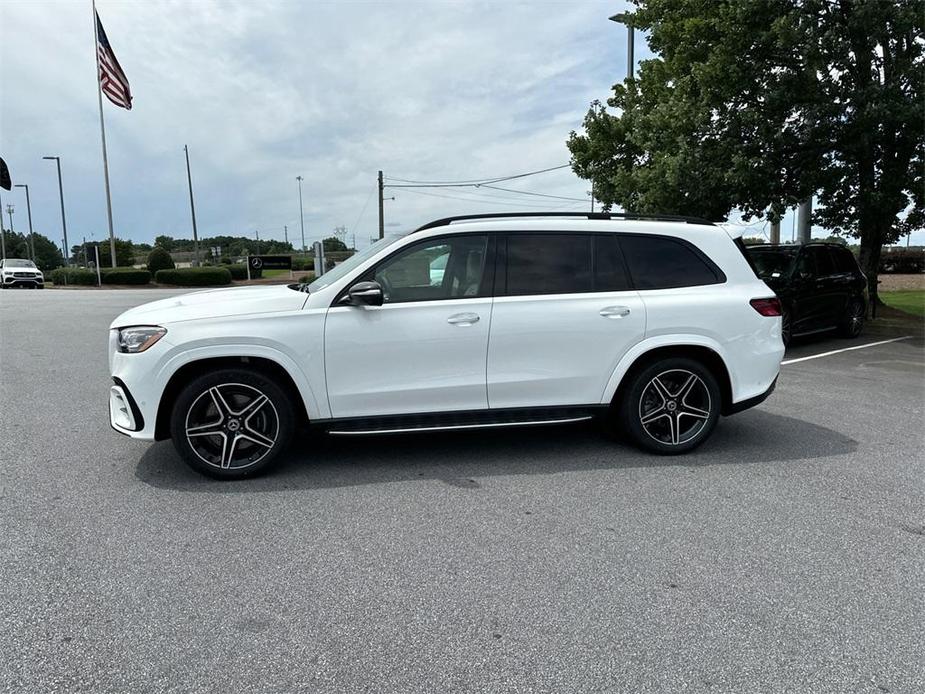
(19,272)
(657,326)
(820,286)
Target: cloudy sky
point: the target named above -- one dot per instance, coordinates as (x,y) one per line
(265,91)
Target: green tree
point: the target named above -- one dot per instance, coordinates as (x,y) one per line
(165,242)
(759,105)
(125,253)
(332,243)
(47,255)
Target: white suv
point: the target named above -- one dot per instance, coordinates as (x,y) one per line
(467,322)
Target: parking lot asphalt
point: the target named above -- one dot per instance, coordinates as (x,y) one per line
(787,554)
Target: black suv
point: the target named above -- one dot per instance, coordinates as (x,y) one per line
(820,286)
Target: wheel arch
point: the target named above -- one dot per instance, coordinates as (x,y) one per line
(707,356)
(197,367)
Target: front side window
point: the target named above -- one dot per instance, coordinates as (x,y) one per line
(446,268)
(844,261)
(824,263)
(659,262)
(548,264)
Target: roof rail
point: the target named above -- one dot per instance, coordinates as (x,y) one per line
(585,215)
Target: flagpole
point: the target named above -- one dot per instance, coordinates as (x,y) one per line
(99,93)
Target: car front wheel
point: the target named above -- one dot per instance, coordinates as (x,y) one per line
(232,423)
(671,406)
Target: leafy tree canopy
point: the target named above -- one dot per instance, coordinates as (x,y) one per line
(332,243)
(47,255)
(759,105)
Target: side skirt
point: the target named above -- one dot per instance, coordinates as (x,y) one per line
(461,420)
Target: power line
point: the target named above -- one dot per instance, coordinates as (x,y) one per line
(365,204)
(488,201)
(471,181)
(528,192)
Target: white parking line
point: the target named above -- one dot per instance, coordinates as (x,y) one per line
(846,349)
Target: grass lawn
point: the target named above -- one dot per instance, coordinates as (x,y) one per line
(270,274)
(910,300)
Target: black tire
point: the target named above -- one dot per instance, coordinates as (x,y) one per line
(786,326)
(852,323)
(226,407)
(677,428)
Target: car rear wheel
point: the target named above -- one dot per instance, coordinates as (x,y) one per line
(671,406)
(232,423)
(853,321)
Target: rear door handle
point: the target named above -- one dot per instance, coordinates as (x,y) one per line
(615,311)
(463,319)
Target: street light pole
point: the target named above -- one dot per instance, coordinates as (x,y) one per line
(67,250)
(301,214)
(192,208)
(627,19)
(2,234)
(29,213)
(381,209)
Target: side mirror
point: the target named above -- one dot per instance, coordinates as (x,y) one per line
(364,294)
(805,276)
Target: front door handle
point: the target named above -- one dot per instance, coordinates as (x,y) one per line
(615,311)
(463,319)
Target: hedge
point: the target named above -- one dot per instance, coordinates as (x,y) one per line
(902,261)
(194,276)
(239,272)
(307,278)
(126,275)
(73,275)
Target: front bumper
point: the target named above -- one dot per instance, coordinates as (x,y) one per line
(10,281)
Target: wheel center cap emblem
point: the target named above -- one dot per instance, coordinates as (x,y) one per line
(672,405)
(233,425)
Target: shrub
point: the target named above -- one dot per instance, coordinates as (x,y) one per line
(194,276)
(159,259)
(73,275)
(226,260)
(307,278)
(904,261)
(239,272)
(126,275)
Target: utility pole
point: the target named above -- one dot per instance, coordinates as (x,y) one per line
(29,213)
(67,250)
(381,210)
(257,235)
(301,214)
(9,211)
(192,208)
(285,233)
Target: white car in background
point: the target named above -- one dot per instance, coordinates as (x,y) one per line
(19,272)
(657,325)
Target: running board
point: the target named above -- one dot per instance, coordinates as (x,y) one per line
(458,421)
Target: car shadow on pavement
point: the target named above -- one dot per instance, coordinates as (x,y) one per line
(322,461)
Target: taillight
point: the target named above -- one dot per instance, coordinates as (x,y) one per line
(767,307)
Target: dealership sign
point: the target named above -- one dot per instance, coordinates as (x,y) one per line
(269,262)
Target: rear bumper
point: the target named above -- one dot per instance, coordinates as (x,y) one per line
(736,407)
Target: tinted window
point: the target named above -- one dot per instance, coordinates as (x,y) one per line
(844,261)
(448,268)
(770,263)
(823,259)
(657,262)
(609,270)
(548,263)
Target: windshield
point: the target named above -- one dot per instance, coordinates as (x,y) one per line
(344,268)
(772,263)
(15,262)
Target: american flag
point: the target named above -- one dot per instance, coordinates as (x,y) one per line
(113,81)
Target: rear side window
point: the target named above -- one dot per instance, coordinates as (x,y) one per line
(844,261)
(824,264)
(659,262)
(548,264)
(609,269)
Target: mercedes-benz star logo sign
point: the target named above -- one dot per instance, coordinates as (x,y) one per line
(256,263)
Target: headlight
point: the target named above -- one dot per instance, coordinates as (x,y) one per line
(138,338)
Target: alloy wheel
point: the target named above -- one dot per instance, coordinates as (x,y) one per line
(855,318)
(232,426)
(674,407)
